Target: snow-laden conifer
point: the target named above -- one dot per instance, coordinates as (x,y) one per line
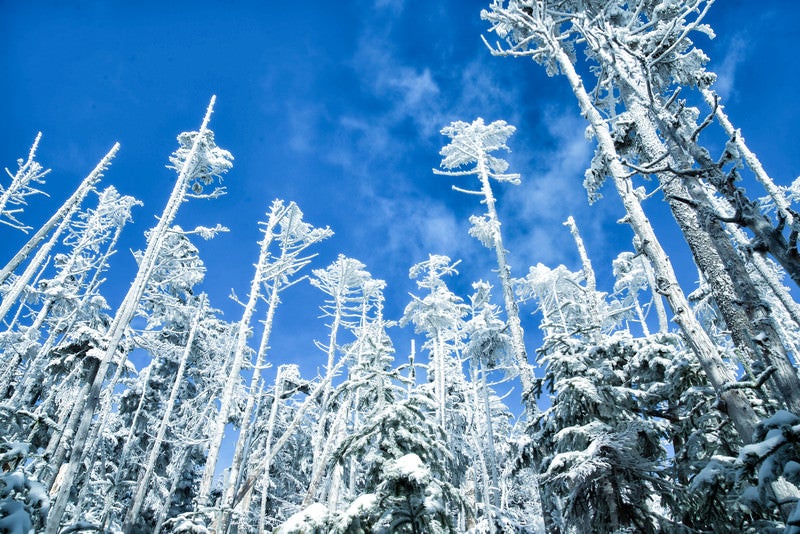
(470,152)
(29,172)
(535,31)
(439,315)
(197,162)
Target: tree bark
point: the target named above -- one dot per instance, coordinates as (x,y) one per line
(734,403)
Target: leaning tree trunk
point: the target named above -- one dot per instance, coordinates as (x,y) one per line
(266,461)
(589,276)
(63,214)
(120,323)
(752,161)
(735,403)
(273,414)
(126,447)
(511,306)
(750,326)
(234,474)
(234,375)
(321,463)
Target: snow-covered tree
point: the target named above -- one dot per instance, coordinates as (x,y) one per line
(29,172)
(275,272)
(198,162)
(54,227)
(405,487)
(537,30)
(473,144)
(343,281)
(439,315)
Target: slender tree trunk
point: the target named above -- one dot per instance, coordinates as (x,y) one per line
(23,177)
(490,448)
(246,430)
(120,323)
(265,463)
(511,306)
(273,414)
(173,486)
(64,213)
(124,458)
(441,396)
(318,437)
(234,377)
(724,270)
(588,275)
(750,158)
(143,484)
(321,463)
(658,300)
(63,441)
(34,373)
(38,261)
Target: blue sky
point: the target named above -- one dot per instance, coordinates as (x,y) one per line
(337,106)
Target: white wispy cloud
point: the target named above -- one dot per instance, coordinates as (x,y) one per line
(403,91)
(416,226)
(550,190)
(726,71)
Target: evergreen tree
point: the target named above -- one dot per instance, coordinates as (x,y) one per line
(29,172)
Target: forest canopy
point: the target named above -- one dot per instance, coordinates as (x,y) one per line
(535,399)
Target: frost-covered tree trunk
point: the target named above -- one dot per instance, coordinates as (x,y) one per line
(752,161)
(57,223)
(63,438)
(128,444)
(294,237)
(491,453)
(342,281)
(237,361)
(273,414)
(722,267)
(668,138)
(321,462)
(266,461)
(588,273)
(103,224)
(538,23)
(439,315)
(736,404)
(200,161)
(487,348)
(28,173)
(473,143)
(173,486)
(143,484)
(661,312)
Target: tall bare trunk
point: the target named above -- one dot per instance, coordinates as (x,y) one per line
(65,212)
(735,403)
(509,300)
(273,414)
(143,484)
(120,323)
